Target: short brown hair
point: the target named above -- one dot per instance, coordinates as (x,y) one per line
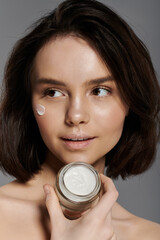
(22,150)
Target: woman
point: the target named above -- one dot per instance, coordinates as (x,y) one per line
(79,87)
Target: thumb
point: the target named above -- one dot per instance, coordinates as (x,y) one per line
(52,204)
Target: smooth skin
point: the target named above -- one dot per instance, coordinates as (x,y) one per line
(83,120)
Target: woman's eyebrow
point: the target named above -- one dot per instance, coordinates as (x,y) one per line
(100,80)
(61,83)
(50,81)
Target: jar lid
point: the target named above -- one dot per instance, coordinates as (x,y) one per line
(78,182)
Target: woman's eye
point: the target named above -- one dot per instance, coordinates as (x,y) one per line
(53,93)
(101,92)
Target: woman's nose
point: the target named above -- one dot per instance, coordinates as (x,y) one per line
(77,113)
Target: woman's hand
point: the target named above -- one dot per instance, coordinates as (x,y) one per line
(94,224)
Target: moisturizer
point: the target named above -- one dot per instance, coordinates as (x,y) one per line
(40,109)
(80,180)
(78,188)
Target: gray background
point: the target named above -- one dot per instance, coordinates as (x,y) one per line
(140,194)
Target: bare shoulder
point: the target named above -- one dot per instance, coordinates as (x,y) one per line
(5,206)
(146,229)
(18,213)
(5,200)
(131,227)
(15,201)
(8,203)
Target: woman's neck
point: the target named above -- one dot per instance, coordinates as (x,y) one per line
(47,175)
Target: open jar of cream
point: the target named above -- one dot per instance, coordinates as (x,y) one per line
(78,188)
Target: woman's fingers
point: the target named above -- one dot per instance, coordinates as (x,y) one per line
(53,206)
(104,206)
(108,185)
(94,224)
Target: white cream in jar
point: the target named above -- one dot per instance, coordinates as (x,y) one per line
(78,187)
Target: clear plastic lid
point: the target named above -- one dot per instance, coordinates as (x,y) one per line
(78,183)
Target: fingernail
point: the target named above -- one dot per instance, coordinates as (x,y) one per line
(46,189)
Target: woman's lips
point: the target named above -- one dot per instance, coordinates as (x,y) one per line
(77,142)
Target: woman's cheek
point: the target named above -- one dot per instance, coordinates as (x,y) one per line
(48,119)
(111,118)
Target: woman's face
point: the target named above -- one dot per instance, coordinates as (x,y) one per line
(82,113)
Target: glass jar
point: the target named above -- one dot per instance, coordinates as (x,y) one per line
(78,188)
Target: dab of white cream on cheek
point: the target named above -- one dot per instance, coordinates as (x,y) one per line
(40,109)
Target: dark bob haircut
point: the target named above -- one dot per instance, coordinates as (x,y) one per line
(22,150)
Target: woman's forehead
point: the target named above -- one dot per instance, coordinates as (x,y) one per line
(69,57)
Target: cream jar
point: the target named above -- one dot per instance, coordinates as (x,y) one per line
(78,188)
